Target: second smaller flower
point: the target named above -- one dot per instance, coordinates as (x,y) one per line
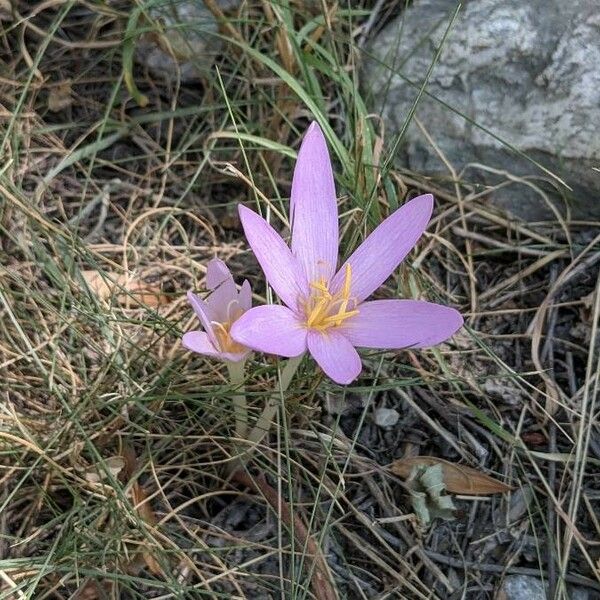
(221,309)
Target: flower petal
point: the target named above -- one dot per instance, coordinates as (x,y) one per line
(245,296)
(401,324)
(235,356)
(219,279)
(335,355)
(375,259)
(217,273)
(281,268)
(205,313)
(198,341)
(272,329)
(313,208)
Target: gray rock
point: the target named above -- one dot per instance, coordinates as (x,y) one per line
(386,417)
(522,587)
(526,71)
(188,42)
(526,587)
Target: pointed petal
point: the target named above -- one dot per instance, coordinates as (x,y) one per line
(335,355)
(217,273)
(281,268)
(401,324)
(245,296)
(313,208)
(219,279)
(198,341)
(377,257)
(205,314)
(272,329)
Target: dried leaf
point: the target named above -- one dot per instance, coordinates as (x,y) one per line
(92,590)
(59,97)
(6,11)
(129,292)
(144,509)
(114,464)
(419,505)
(458,479)
(152,564)
(426,487)
(534,438)
(142,505)
(128,455)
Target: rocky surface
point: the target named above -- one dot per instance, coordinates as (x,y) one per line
(186,39)
(524,71)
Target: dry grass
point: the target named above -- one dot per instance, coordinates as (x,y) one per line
(115,441)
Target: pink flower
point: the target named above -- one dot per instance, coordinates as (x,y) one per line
(217,314)
(326,310)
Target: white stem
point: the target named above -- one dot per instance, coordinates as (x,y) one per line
(266,418)
(240,409)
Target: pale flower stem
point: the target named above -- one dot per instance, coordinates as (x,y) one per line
(240,409)
(266,418)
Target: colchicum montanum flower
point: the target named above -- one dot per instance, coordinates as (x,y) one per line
(217,314)
(326,311)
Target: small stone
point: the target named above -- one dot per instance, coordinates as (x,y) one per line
(522,587)
(386,417)
(526,587)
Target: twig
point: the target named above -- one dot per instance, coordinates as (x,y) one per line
(548,356)
(484,239)
(228,28)
(414,547)
(370,24)
(489,568)
(321,574)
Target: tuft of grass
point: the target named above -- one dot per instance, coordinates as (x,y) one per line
(115,442)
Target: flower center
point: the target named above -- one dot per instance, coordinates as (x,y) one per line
(324,310)
(221,330)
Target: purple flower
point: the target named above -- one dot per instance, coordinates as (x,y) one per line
(218,313)
(325,310)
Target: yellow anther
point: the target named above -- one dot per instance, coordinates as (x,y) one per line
(226,342)
(338,319)
(323,309)
(321,286)
(347,282)
(316,314)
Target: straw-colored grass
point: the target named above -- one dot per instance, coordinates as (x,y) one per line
(115,442)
